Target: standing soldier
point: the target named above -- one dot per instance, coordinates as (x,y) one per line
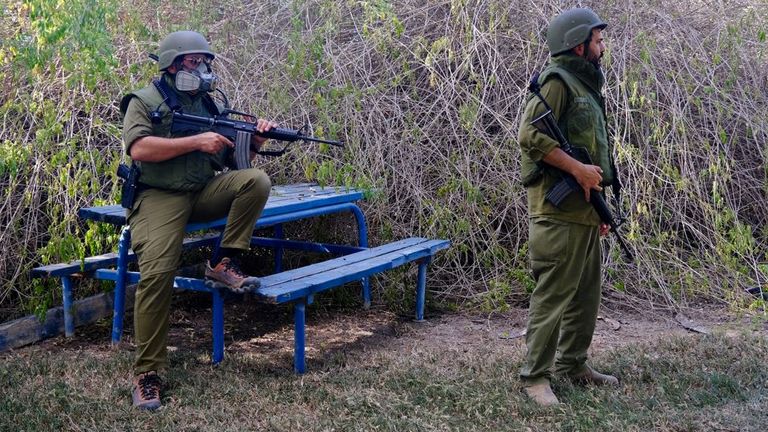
(564,241)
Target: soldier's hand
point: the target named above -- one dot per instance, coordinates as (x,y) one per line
(211,142)
(589,177)
(604,230)
(262,126)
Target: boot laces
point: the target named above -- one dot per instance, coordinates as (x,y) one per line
(233,267)
(149,386)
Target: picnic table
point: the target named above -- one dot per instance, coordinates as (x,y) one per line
(297,286)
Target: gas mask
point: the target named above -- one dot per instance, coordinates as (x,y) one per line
(200,79)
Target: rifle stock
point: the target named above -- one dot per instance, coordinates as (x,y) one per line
(547,124)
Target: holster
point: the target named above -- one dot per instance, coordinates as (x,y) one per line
(130,177)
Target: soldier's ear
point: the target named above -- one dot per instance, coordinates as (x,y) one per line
(579,49)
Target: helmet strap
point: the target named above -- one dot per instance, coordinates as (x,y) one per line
(586,45)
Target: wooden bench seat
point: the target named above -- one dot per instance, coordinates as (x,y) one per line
(87,266)
(305,281)
(90,264)
(299,286)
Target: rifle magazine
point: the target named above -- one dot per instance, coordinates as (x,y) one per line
(558,192)
(243,150)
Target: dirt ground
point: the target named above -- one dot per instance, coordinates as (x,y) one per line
(266,331)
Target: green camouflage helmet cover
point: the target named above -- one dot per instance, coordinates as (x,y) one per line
(180,43)
(571,28)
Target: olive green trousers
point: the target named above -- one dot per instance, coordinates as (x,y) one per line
(158,220)
(565,260)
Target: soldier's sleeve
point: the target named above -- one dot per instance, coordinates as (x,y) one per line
(136,123)
(535,143)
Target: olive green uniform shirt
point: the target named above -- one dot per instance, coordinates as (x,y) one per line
(581,117)
(187,172)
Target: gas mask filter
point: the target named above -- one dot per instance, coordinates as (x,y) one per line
(200,79)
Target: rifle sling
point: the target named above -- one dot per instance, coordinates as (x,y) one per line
(170,99)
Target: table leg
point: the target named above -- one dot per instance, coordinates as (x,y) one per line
(299,312)
(69,319)
(218,326)
(279,234)
(421,290)
(123,245)
(362,241)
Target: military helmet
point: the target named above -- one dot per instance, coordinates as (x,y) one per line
(571,28)
(180,43)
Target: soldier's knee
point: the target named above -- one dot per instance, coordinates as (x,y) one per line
(259,182)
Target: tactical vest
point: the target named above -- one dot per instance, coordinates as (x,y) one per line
(584,122)
(187,172)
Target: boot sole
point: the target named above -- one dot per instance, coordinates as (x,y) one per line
(213,283)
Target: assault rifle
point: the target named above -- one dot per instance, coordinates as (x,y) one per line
(547,124)
(240,132)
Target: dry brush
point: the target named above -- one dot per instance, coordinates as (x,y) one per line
(428,96)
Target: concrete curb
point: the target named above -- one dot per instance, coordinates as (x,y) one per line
(29,329)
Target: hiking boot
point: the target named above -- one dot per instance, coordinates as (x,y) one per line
(227,274)
(593,377)
(146,391)
(541,394)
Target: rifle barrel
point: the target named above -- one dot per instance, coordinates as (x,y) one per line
(325,141)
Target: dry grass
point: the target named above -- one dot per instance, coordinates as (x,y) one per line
(385,373)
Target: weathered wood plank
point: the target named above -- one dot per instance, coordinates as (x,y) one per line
(338,262)
(336,272)
(301,282)
(109,260)
(283,199)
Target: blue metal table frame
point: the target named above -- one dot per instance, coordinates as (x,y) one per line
(285,204)
(300,285)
